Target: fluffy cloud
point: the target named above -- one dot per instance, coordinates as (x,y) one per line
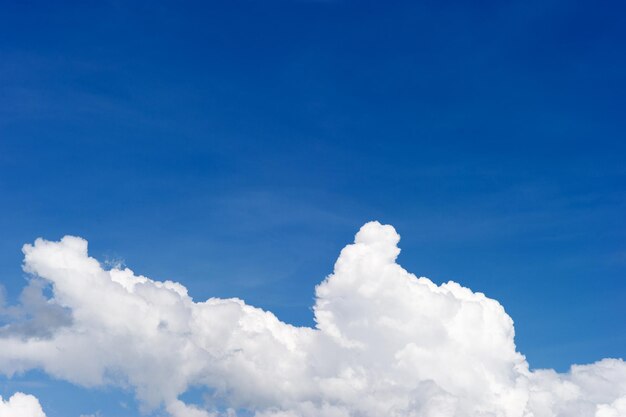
(21,405)
(386,343)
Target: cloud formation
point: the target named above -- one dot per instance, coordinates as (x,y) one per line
(35,316)
(21,405)
(386,343)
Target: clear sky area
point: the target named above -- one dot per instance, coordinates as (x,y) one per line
(236,147)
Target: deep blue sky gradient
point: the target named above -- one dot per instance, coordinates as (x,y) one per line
(237,146)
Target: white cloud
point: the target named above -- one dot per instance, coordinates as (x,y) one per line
(21,405)
(387,343)
(616,409)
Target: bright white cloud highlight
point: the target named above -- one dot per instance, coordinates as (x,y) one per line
(387,343)
(21,405)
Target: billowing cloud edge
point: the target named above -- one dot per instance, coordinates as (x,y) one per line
(386,343)
(21,405)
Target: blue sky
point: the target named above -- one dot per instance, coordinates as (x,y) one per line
(236,147)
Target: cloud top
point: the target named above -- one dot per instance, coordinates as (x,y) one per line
(21,405)
(386,343)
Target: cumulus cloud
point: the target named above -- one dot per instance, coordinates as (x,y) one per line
(386,343)
(21,405)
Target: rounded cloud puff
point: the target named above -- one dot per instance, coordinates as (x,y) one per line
(21,405)
(386,343)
